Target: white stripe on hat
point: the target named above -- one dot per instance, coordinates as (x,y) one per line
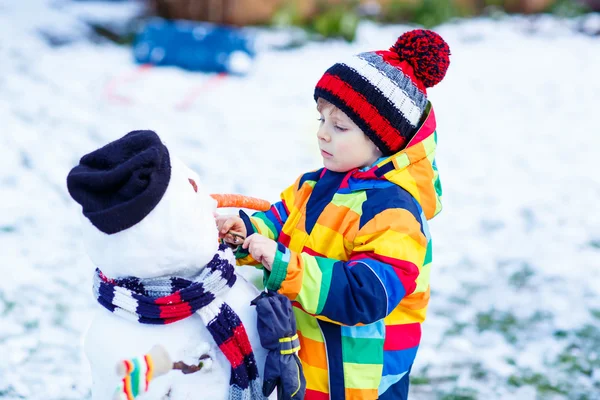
(397,96)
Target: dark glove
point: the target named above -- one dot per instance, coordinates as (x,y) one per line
(277,330)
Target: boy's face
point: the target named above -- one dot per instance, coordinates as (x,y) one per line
(344,146)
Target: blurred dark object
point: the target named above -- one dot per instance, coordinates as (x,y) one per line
(340,18)
(195,46)
(230,12)
(276,325)
(594,5)
(527,6)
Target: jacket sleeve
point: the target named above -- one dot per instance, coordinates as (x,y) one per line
(268,223)
(388,252)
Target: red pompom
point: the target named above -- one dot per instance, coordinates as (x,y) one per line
(426,52)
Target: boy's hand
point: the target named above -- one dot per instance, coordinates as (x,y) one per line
(262,249)
(226,223)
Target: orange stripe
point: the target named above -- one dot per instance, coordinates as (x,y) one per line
(127,387)
(292,284)
(149,370)
(405,223)
(339,218)
(416,301)
(361,394)
(312,352)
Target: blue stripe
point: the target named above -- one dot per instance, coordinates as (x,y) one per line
(309,176)
(398,361)
(280,208)
(221,327)
(393,286)
(321,196)
(356,184)
(358,295)
(397,390)
(247,223)
(335,363)
(375,330)
(385,199)
(384,169)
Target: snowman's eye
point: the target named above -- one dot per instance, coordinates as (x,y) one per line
(193,183)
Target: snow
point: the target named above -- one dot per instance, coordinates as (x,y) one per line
(516,249)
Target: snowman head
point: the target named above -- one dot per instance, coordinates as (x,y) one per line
(145,213)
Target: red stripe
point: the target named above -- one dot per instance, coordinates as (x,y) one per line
(425,130)
(287,211)
(311,252)
(170,299)
(315,395)
(241,337)
(299,306)
(232,352)
(365,110)
(284,239)
(177,310)
(401,337)
(406,271)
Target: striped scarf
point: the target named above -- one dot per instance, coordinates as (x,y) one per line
(166,300)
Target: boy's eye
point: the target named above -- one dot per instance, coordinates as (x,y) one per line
(339,128)
(321,119)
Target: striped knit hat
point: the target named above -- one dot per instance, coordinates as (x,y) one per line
(384,92)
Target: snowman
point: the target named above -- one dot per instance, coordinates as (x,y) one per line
(162,279)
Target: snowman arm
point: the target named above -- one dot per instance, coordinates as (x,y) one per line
(137,373)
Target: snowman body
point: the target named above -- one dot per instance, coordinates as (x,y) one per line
(176,238)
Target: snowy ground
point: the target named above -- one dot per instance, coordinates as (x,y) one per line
(515,306)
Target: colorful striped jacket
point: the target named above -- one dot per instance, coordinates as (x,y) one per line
(354,255)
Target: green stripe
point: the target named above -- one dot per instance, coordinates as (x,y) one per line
(326,267)
(278,272)
(312,279)
(261,226)
(362,350)
(353,201)
(269,225)
(428,253)
(308,325)
(135,377)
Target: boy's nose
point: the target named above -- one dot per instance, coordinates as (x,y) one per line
(322,134)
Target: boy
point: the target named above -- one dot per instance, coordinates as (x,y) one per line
(349,244)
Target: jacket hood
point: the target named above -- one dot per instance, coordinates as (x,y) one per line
(412,168)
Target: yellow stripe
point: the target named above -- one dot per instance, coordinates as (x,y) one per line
(290,351)
(423,278)
(150,371)
(262,228)
(316,378)
(395,245)
(401,315)
(362,376)
(288,339)
(329,242)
